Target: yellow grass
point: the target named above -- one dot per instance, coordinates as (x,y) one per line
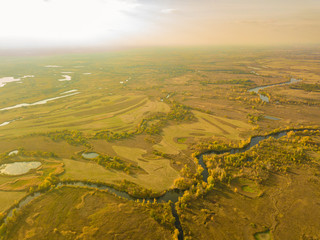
(160,175)
(149,106)
(21,183)
(166,147)
(101,111)
(79,213)
(8,199)
(40,143)
(129,153)
(206,126)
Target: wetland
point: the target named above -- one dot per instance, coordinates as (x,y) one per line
(186,151)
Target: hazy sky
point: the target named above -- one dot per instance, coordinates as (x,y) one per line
(52,23)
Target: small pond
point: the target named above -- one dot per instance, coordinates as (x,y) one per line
(272,118)
(5,80)
(52,66)
(66,78)
(4,124)
(90,155)
(18,168)
(14,152)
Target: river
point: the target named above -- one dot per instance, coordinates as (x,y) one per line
(265,98)
(171,195)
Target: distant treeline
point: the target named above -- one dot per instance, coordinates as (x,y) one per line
(306,87)
(243,82)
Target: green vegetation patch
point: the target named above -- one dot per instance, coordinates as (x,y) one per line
(181,140)
(306,87)
(243,82)
(72,137)
(266,235)
(247,188)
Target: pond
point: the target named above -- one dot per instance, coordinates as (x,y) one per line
(52,66)
(272,118)
(14,152)
(90,155)
(5,80)
(18,168)
(66,78)
(4,124)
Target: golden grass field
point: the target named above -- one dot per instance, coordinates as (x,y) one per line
(116,113)
(206,126)
(77,213)
(159,174)
(8,198)
(124,90)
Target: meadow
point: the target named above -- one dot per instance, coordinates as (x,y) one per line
(146,113)
(75,213)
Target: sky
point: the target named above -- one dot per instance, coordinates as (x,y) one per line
(80,23)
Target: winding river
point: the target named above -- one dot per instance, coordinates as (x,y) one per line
(254,141)
(265,98)
(171,195)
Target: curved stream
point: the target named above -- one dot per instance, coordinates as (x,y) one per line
(171,195)
(254,141)
(265,98)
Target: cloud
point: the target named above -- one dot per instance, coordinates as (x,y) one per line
(59,22)
(115,22)
(168,10)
